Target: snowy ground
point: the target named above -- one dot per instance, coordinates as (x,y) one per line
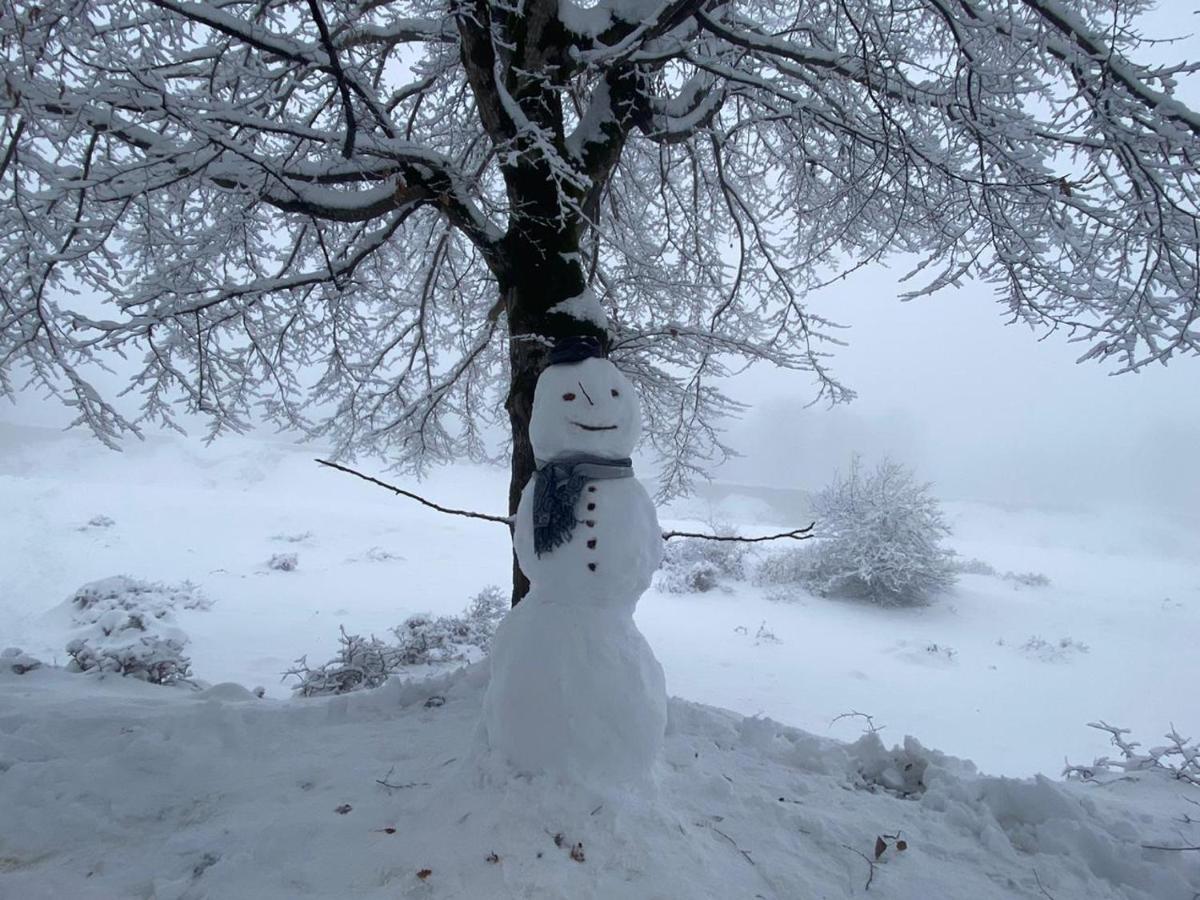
(224,780)
(127,790)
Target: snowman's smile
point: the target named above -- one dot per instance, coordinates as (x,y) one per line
(595,427)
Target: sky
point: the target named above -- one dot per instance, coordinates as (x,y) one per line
(984,410)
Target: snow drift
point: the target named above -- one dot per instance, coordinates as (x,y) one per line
(115,788)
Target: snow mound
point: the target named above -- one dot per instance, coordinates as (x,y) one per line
(117,789)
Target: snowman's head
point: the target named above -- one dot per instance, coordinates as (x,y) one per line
(584,407)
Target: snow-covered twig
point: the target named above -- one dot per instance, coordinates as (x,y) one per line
(398,787)
(871,728)
(1041,887)
(1154,759)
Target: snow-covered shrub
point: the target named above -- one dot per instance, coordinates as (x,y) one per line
(973,567)
(123,592)
(18,661)
(299,537)
(127,627)
(941,651)
(880,541)
(696,566)
(283,562)
(150,657)
(791,566)
(1053,651)
(1179,758)
(360,663)
(422,640)
(1026,579)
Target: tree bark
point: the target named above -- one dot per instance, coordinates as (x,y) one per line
(542,269)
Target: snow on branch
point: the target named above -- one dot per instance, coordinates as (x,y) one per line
(1178,758)
(246,195)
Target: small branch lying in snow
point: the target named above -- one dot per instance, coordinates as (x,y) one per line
(798,534)
(870,862)
(503,520)
(745,853)
(398,787)
(1045,893)
(1163,847)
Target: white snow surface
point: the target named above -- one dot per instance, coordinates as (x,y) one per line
(117,789)
(112,788)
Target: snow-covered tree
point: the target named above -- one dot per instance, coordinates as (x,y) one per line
(362,218)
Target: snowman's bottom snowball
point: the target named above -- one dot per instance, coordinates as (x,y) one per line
(575,692)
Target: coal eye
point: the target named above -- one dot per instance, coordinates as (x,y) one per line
(568,396)
(616,393)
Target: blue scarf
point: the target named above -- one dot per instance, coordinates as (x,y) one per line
(559,483)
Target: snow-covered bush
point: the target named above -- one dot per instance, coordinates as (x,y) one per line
(421,640)
(283,562)
(127,627)
(152,658)
(18,661)
(1026,579)
(123,592)
(880,541)
(791,566)
(1052,651)
(360,663)
(696,566)
(1179,758)
(973,566)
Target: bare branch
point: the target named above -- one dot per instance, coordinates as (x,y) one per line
(503,520)
(799,534)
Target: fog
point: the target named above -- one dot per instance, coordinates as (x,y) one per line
(987,411)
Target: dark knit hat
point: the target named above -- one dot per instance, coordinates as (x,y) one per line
(574,349)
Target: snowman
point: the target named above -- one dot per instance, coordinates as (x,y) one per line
(575,690)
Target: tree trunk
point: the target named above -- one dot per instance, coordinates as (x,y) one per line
(541,270)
